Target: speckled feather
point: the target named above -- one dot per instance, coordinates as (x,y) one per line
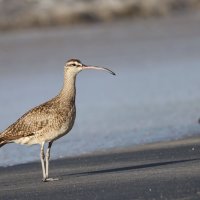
(41,119)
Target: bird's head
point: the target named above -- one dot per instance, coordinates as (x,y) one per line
(74,66)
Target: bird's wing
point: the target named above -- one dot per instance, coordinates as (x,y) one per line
(32,122)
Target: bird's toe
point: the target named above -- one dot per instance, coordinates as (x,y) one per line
(49,179)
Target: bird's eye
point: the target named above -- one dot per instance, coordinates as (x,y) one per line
(73,65)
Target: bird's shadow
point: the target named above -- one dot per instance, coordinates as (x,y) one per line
(121,169)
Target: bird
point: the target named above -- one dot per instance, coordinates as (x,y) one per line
(51,120)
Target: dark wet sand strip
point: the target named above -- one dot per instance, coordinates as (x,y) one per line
(168,170)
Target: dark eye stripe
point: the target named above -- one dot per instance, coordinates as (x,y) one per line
(73,63)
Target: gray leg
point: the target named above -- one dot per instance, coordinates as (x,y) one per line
(42,161)
(47,164)
(47,159)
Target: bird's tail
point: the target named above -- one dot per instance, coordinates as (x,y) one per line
(2,142)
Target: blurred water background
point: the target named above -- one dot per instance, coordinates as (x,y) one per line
(154,97)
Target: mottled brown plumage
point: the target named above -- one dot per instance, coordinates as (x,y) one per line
(50,120)
(42,119)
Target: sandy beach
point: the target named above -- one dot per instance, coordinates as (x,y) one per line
(167,170)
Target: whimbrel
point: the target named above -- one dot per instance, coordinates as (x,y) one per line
(51,120)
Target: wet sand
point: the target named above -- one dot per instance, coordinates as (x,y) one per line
(168,170)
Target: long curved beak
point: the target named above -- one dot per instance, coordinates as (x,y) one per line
(98,68)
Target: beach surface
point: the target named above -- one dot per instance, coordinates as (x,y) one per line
(127,142)
(167,170)
(154,96)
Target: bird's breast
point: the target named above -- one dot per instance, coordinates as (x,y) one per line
(67,122)
(59,126)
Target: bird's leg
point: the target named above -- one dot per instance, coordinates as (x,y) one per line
(47,164)
(42,161)
(47,159)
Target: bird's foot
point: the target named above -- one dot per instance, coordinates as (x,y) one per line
(49,179)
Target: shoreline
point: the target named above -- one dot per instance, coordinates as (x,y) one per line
(164,170)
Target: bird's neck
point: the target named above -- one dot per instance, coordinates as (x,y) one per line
(68,92)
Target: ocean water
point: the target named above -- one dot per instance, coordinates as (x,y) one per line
(154,97)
